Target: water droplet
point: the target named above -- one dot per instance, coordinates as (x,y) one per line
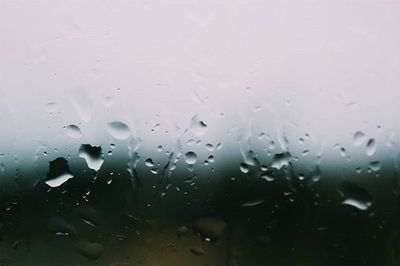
(211,158)
(252,203)
(280,160)
(262,135)
(190,157)
(149,162)
(197,126)
(73,131)
(118,130)
(244,168)
(305,153)
(371,147)
(375,166)
(210,147)
(355,196)
(190,142)
(271,145)
(93,156)
(59,172)
(342,152)
(358,138)
(316,174)
(301,177)
(267,176)
(159,148)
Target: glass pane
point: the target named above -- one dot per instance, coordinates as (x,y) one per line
(199,132)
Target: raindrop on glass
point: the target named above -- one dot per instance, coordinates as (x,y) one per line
(358,138)
(149,162)
(280,160)
(244,168)
(190,157)
(118,130)
(73,131)
(59,172)
(371,147)
(197,126)
(93,156)
(375,166)
(355,196)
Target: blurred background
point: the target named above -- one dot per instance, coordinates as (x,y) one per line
(199,132)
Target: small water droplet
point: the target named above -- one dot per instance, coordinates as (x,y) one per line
(371,147)
(149,162)
(211,158)
(190,157)
(358,138)
(342,152)
(197,126)
(262,135)
(210,147)
(159,148)
(190,142)
(93,156)
(244,168)
(316,174)
(267,176)
(375,166)
(73,131)
(252,203)
(280,160)
(271,145)
(118,130)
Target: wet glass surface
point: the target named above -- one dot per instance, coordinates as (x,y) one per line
(199,133)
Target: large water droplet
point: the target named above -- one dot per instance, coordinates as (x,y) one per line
(355,196)
(59,172)
(358,138)
(73,131)
(280,160)
(197,126)
(190,157)
(371,147)
(93,156)
(118,130)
